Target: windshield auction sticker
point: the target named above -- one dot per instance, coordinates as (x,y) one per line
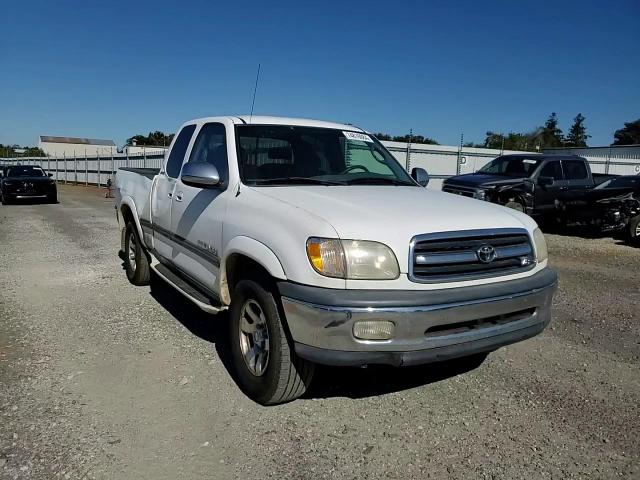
(361,137)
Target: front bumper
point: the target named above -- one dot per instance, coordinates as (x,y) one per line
(430,325)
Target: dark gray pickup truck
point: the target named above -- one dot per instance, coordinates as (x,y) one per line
(530,183)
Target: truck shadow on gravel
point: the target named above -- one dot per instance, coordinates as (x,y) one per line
(328,382)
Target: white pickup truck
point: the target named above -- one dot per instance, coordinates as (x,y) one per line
(326,251)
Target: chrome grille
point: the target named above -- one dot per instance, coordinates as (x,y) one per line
(458,190)
(465,255)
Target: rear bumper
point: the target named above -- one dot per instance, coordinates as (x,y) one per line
(430,326)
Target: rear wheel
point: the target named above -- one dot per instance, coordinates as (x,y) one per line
(634,229)
(267,368)
(136,262)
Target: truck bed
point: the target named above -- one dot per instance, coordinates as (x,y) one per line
(135,183)
(145,172)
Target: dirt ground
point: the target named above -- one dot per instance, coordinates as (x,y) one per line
(101,379)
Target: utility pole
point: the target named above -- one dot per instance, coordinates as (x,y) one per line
(408,160)
(459,154)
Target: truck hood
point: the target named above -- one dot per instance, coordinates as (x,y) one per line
(394,215)
(482,180)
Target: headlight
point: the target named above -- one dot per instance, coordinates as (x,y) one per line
(541,245)
(352,259)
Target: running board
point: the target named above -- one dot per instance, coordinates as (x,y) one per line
(191,293)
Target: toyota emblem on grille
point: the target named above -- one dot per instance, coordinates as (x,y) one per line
(486,254)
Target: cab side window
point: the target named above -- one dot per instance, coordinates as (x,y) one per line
(178,151)
(553,170)
(211,147)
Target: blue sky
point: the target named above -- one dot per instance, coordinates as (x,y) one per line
(113,69)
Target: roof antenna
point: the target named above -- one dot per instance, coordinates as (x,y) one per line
(255,89)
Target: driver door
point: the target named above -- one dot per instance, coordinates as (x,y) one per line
(545,195)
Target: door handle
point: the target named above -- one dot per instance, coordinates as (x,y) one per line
(179,197)
(170,195)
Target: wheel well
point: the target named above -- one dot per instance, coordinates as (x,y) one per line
(127,214)
(512,197)
(239,266)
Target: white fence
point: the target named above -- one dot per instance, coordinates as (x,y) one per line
(88,170)
(440,161)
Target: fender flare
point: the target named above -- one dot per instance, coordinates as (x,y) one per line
(128,201)
(256,251)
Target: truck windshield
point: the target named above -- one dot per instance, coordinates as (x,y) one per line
(297,155)
(25,171)
(511,166)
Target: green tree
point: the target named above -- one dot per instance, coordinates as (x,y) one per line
(405,138)
(512,141)
(7,151)
(154,139)
(628,135)
(551,133)
(382,136)
(577,136)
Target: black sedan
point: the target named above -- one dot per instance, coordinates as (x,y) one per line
(24,182)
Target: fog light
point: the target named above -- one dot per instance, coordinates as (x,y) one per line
(374,330)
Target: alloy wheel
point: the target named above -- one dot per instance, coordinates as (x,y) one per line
(254,337)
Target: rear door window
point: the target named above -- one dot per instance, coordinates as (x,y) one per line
(178,151)
(575,170)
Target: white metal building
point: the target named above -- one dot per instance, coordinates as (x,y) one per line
(144,150)
(74,146)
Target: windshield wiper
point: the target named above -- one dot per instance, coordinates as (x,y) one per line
(293,181)
(378,181)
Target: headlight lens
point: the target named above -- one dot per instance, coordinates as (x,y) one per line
(541,245)
(352,259)
(326,257)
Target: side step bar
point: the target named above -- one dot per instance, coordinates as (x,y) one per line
(191,293)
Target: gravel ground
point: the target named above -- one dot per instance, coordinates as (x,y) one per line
(101,379)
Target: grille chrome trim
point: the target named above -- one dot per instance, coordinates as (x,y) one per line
(463,262)
(460,190)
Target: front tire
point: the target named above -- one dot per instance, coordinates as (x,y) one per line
(136,261)
(5,200)
(515,205)
(267,368)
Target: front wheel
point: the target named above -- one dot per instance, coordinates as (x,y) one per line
(515,205)
(267,368)
(136,262)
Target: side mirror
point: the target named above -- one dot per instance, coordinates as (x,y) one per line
(50,174)
(201,175)
(420,175)
(545,181)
